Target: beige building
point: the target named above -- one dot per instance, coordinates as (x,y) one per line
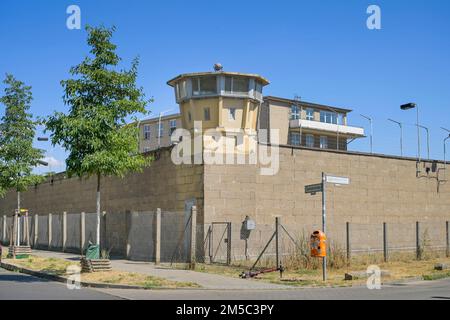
(156,133)
(308,124)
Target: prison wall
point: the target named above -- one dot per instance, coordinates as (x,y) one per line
(382,189)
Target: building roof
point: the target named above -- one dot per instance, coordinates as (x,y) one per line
(307,104)
(173,81)
(166,117)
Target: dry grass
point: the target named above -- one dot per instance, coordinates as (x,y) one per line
(137,279)
(308,272)
(59,267)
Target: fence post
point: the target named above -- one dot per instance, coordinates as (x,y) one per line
(49,229)
(385,243)
(418,248)
(82,231)
(158,236)
(447,240)
(277,241)
(349,247)
(64,231)
(192,254)
(128,228)
(4,229)
(229,243)
(36,230)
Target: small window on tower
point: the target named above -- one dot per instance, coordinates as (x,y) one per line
(232,113)
(207,114)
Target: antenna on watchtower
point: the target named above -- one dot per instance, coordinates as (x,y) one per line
(218,67)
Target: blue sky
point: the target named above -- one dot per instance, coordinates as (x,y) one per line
(319,50)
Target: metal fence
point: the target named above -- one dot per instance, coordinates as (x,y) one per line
(175,236)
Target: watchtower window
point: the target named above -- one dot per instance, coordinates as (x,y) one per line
(236,84)
(204,85)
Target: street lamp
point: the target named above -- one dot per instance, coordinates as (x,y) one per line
(159,126)
(428,139)
(371,131)
(445,151)
(412,106)
(401,135)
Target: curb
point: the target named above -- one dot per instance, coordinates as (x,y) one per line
(54,277)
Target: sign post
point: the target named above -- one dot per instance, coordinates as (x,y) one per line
(321,187)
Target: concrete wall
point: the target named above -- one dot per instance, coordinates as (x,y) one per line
(162,185)
(382,189)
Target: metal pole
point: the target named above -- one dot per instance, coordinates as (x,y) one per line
(277,243)
(401,139)
(401,135)
(229,234)
(349,249)
(324,223)
(428,140)
(385,243)
(418,249)
(371,131)
(445,156)
(418,133)
(371,136)
(447,240)
(159,130)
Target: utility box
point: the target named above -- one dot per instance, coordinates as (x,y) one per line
(318,244)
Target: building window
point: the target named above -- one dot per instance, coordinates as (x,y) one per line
(204,85)
(189,116)
(331,117)
(310,141)
(173,126)
(146,132)
(237,84)
(295,112)
(310,114)
(295,138)
(232,113)
(207,114)
(324,142)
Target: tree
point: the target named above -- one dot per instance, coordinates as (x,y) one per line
(100,99)
(17,131)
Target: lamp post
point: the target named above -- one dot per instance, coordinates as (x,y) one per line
(428,139)
(412,106)
(159,126)
(445,158)
(297,99)
(401,135)
(445,151)
(371,131)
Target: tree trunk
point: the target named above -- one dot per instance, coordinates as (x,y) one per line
(18,218)
(98,209)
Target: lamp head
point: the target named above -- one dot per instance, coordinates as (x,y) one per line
(408,106)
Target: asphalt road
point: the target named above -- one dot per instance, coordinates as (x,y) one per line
(420,290)
(19,286)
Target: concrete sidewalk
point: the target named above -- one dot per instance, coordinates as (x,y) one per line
(206,280)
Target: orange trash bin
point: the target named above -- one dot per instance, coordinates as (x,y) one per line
(318,244)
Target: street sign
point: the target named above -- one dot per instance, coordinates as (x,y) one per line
(337,180)
(314,188)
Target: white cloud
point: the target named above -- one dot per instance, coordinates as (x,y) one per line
(53,162)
